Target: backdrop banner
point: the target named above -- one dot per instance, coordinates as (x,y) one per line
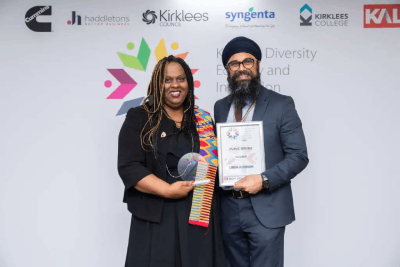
(70,71)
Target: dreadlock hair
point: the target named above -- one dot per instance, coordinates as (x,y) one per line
(155,104)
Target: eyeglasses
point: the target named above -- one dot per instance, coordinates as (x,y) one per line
(248,63)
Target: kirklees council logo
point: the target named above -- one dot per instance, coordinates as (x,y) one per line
(97,20)
(382,16)
(31,18)
(263,18)
(149,17)
(322,19)
(173,18)
(138,63)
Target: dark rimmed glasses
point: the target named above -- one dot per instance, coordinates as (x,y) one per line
(248,63)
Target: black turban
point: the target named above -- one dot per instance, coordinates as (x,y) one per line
(240,45)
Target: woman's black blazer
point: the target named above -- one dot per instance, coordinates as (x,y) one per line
(134,163)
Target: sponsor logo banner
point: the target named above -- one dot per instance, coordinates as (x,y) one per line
(174,18)
(99,20)
(248,16)
(31,16)
(250,19)
(382,16)
(322,19)
(305,15)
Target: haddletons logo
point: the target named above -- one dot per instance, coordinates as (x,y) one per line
(31,16)
(139,63)
(382,16)
(251,14)
(152,16)
(75,18)
(100,20)
(305,15)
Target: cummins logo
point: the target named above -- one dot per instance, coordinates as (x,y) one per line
(31,16)
(152,16)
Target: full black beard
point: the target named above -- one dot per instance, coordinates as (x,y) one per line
(242,91)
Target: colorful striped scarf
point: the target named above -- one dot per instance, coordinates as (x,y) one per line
(206,170)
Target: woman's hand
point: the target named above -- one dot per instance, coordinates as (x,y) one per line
(154,185)
(179,189)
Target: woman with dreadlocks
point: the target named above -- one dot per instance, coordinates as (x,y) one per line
(169,226)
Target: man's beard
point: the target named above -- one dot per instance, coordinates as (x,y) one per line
(242,91)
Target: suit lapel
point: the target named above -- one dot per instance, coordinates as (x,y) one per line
(223,110)
(261,105)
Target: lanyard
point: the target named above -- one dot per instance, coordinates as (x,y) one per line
(245,116)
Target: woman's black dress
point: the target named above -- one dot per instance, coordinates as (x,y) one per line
(174,242)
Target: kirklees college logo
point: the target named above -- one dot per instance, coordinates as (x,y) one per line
(248,16)
(305,15)
(382,16)
(322,19)
(149,17)
(168,18)
(138,63)
(31,16)
(99,20)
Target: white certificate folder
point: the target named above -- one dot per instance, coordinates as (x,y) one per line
(240,150)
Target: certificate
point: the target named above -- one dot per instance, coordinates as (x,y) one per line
(240,151)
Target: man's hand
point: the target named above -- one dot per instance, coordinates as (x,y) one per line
(251,184)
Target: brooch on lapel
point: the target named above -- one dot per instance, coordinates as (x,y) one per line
(163,134)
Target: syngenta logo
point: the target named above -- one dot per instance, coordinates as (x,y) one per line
(149,17)
(382,16)
(31,16)
(247,16)
(305,15)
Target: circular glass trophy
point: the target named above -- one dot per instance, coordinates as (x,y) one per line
(189,165)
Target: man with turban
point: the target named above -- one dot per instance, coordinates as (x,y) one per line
(256,210)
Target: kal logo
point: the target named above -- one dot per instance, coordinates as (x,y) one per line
(152,16)
(382,16)
(305,16)
(75,18)
(31,16)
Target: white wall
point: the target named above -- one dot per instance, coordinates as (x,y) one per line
(60,193)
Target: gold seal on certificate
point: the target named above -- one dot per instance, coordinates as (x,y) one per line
(240,150)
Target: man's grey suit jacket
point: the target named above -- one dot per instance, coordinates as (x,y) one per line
(285,154)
